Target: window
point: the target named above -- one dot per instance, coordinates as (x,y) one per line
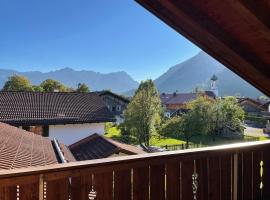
(46,131)
(118,107)
(26,128)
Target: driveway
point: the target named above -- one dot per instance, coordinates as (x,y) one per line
(255,132)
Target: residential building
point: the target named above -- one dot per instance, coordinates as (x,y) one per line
(20,148)
(68,117)
(97,146)
(251,106)
(176,103)
(115,103)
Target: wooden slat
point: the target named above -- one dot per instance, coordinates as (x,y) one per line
(266,174)
(225,174)
(122,184)
(257,157)
(57,190)
(103,185)
(141,183)
(173,180)
(29,192)
(247,176)
(186,179)
(214,178)
(8,193)
(157,182)
(202,169)
(81,187)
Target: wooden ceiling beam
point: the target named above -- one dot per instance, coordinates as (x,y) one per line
(191,20)
(260,9)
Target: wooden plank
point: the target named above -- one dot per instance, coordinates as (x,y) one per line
(29,192)
(266,174)
(57,190)
(141,183)
(103,185)
(247,176)
(225,175)
(157,182)
(173,180)
(202,169)
(8,193)
(214,178)
(122,184)
(81,186)
(257,157)
(186,179)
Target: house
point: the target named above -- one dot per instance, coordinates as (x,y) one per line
(67,117)
(20,148)
(97,146)
(251,106)
(115,103)
(176,103)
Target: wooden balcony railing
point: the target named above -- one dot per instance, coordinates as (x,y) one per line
(235,172)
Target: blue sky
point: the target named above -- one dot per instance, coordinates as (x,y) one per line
(98,35)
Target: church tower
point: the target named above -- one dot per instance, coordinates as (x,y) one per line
(214,84)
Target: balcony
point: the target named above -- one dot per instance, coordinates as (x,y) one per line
(236,171)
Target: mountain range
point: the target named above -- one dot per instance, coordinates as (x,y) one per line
(118,82)
(197,72)
(184,77)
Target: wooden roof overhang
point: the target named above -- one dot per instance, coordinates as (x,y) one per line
(235,32)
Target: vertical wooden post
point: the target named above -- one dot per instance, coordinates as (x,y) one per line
(41,187)
(235,176)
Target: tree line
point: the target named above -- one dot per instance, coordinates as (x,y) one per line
(18,83)
(144,117)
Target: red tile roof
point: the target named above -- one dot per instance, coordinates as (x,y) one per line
(19,148)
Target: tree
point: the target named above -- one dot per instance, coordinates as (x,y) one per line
(82,87)
(37,88)
(172,127)
(51,85)
(196,121)
(233,114)
(142,115)
(17,83)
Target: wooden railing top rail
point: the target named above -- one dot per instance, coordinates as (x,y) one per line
(133,159)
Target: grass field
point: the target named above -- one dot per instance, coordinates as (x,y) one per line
(114,133)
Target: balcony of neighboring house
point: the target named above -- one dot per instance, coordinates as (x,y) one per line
(237,33)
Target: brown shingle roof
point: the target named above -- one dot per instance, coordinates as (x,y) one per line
(20,148)
(97,146)
(30,108)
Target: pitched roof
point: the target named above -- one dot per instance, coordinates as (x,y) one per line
(182,98)
(107,92)
(20,148)
(96,146)
(30,108)
(253,102)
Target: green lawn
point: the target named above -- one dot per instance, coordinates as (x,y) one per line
(114,133)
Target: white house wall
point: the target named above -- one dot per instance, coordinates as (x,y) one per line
(71,133)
